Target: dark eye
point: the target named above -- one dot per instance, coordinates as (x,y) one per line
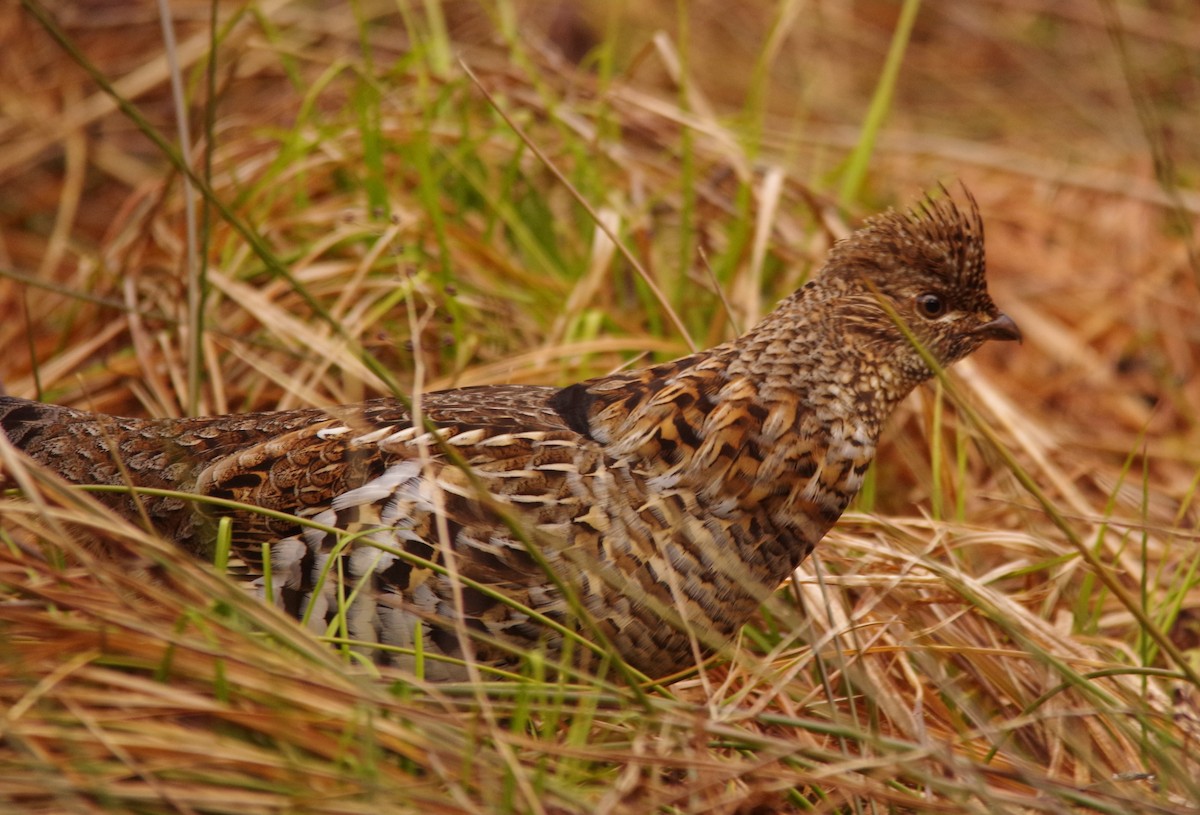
(931,305)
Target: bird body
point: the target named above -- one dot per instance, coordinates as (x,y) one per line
(662,504)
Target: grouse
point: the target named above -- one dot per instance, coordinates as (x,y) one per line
(654,509)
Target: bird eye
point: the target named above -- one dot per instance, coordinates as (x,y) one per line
(931,305)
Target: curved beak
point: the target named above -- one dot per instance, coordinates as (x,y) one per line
(1001,328)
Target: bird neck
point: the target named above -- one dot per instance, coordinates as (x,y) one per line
(781,422)
(833,367)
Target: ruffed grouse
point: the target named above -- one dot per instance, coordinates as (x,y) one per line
(668,501)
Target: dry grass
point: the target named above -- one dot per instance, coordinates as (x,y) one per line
(967,641)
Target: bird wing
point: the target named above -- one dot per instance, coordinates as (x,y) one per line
(360,460)
(391,502)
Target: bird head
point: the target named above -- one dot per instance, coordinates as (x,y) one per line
(916,278)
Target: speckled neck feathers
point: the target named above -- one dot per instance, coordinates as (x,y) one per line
(779,421)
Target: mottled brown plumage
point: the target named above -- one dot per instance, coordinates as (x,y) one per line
(670,500)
